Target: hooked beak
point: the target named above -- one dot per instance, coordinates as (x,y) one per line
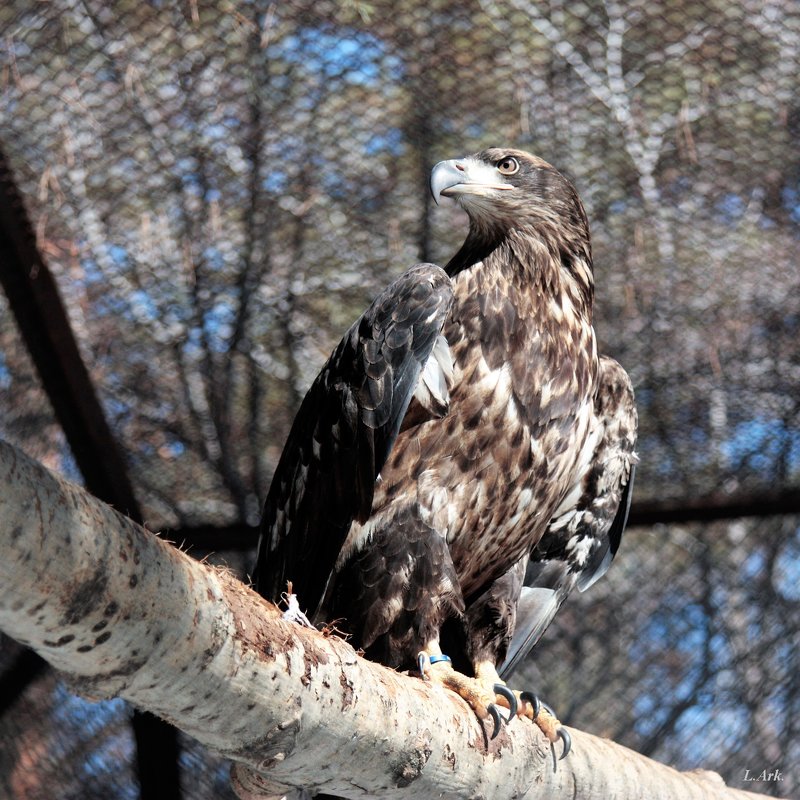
(462,176)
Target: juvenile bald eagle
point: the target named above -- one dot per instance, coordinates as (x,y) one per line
(464,459)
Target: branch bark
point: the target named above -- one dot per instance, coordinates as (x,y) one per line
(121,612)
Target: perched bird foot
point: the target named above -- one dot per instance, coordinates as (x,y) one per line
(527,705)
(486,694)
(543,716)
(484,700)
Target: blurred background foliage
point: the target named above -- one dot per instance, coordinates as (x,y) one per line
(220,187)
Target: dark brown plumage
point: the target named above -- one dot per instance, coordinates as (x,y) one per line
(464,458)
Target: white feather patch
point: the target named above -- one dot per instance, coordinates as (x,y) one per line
(357,537)
(436,378)
(580,547)
(582,466)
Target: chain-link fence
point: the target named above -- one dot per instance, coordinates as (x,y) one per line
(220,187)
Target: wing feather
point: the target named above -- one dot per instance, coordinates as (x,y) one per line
(580,543)
(344,432)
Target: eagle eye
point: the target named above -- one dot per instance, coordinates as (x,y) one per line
(508,166)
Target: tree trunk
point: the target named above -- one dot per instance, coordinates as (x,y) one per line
(123,613)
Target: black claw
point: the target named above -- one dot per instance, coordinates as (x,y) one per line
(527,697)
(497,717)
(549,710)
(567,739)
(504,691)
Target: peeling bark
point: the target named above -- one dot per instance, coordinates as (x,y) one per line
(123,613)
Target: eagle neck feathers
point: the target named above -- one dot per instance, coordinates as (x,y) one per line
(527,304)
(552,259)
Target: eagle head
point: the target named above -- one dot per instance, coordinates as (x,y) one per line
(503,189)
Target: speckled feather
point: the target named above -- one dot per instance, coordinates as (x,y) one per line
(468,491)
(584,534)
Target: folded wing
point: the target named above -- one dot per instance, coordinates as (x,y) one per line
(584,535)
(346,427)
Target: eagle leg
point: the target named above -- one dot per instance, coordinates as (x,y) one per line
(483,701)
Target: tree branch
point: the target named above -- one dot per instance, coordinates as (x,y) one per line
(123,613)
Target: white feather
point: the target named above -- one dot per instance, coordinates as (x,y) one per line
(437,375)
(580,547)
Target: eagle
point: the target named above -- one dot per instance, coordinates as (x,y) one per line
(465,458)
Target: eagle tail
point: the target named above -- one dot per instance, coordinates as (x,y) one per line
(547,586)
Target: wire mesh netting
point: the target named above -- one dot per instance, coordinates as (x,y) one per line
(220,188)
